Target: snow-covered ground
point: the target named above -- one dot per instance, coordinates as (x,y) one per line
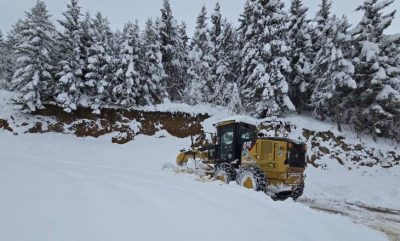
(59,187)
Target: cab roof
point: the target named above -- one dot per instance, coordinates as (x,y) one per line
(237,119)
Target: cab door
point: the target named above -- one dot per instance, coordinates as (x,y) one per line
(246,134)
(227,141)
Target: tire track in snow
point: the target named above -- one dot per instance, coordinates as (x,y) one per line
(382,219)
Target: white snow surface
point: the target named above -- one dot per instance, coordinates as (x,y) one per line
(59,187)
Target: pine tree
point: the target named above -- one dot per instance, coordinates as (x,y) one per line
(2,57)
(199,86)
(321,20)
(13,39)
(99,74)
(152,88)
(216,29)
(183,55)
(225,78)
(70,83)
(299,37)
(319,37)
(216,37)
(244,22)
(376,101)
(391,49)
(87,41)
(173,55)
(183,36)
(336,81)
(126,88)
(115,48)
(34,65)
(264,85)
(224,88)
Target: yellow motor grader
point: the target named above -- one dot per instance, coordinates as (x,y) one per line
(239,153)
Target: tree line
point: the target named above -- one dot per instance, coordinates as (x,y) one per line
(275,62)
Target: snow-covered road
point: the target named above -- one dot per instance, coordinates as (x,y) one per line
(382,219)
(59,187)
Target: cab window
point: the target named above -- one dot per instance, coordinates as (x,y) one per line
(246,134)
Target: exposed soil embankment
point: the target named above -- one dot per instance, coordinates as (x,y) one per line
(126,123)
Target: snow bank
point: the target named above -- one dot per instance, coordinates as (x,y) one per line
(59,187)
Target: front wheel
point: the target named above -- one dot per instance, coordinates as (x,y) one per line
(225,172)
(252,177)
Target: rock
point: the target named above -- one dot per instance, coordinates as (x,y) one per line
(4,125)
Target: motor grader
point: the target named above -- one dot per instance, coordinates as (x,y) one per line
(240,153)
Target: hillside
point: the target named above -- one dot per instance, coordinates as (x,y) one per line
(118,185)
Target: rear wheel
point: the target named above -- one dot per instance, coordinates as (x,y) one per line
(225,172)
(252,177)
(298,191)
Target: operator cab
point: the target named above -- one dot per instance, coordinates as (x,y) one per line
(231,135)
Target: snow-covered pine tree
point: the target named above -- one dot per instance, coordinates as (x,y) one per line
(87,42)
(33,76)
(299,38)
(376,100)
(99,74)
(5,64)
(226,90)
(336,80)
(215,53)
(183,53)
(173,55)
(244,22)
(152,86)
(1,39)
(185,39)
(2,59)
(115,45)
(264,85)
(69,42)
(216,29)
(125,90)
(322,24)
(199,85)
(321,21)
(391,49)
(12,41)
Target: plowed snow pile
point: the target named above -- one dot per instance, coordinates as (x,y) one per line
(59,187)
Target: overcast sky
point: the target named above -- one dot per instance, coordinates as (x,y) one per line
(121,11)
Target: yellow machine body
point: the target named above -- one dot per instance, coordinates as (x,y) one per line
(282,160)
(271,157)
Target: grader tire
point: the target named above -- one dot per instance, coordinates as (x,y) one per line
(252,177)
(225,172)
(298,191)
